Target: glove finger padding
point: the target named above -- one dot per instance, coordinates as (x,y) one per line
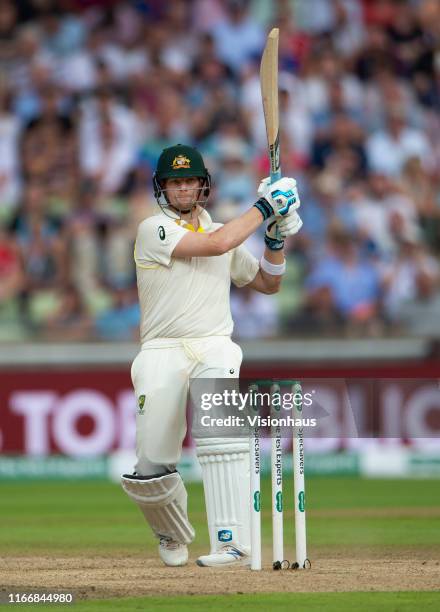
(290,224)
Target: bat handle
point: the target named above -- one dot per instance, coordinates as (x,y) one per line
(275,176)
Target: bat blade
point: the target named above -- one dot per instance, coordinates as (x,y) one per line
(269,94)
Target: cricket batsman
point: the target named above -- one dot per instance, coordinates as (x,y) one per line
(185,263)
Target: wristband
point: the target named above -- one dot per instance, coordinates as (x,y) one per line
(264,208)
(272,269)
(273,244)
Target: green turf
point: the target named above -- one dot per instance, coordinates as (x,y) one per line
(309,602)
(97,517)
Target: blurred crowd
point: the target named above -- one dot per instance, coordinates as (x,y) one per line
(92,91)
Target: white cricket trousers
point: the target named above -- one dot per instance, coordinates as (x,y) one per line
(161,372)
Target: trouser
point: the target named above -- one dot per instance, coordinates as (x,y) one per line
(160,374)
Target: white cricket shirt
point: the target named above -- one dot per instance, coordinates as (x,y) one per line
(185,298)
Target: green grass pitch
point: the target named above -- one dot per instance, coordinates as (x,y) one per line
(71,518)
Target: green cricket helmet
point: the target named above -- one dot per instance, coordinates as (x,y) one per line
(180,161)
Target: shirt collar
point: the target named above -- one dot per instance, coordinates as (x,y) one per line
(204,217)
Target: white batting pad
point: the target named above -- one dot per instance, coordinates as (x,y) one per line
(163,501)
(225,470)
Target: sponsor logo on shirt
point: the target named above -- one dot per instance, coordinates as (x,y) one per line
(141,404)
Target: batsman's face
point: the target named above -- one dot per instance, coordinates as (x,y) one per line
(182,192)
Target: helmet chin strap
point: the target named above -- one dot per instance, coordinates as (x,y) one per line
(185,211)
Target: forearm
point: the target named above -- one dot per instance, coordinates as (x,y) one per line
(272,281)
(274,257)
(235,232)
(266,282)
(221,241)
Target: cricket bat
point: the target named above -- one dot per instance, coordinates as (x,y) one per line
(269,94)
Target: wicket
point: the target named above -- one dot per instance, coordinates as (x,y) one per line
(278,560)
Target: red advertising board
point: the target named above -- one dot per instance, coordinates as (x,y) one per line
(74,412)
(89,412)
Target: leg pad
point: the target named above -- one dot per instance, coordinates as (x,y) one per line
(163,502)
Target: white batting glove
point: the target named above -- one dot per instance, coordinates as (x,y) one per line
(263,187)
(289,224)
(279,198)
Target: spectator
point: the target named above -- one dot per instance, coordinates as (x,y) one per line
(40,241)
(294,44)
(420,315)
(8,33)
(238,38)
(417,185)
(406,39)
(378,210)
(108,142)
(343,140)
(374,56)
(295,122)
(170,126)
(410,275)
(121,320)
(117,255)
(12,285)
(12,278)
(179,49)
(255,314)
(86,226)
(62,34)
(347,284)
(389,149)
(316,17)
(27,50)
(324,67)
(70,321)
(326,207)
(383,92)
(9,156)
(235,180)
(349,31)
(89,99)
(52,130)
(336,106)
(206,14)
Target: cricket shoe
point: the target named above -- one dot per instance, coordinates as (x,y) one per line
(172,553)
(226,555)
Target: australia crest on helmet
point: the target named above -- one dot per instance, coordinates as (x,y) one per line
(181,162)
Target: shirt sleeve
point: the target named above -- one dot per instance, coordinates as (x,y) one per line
(244,266)
(156,240)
